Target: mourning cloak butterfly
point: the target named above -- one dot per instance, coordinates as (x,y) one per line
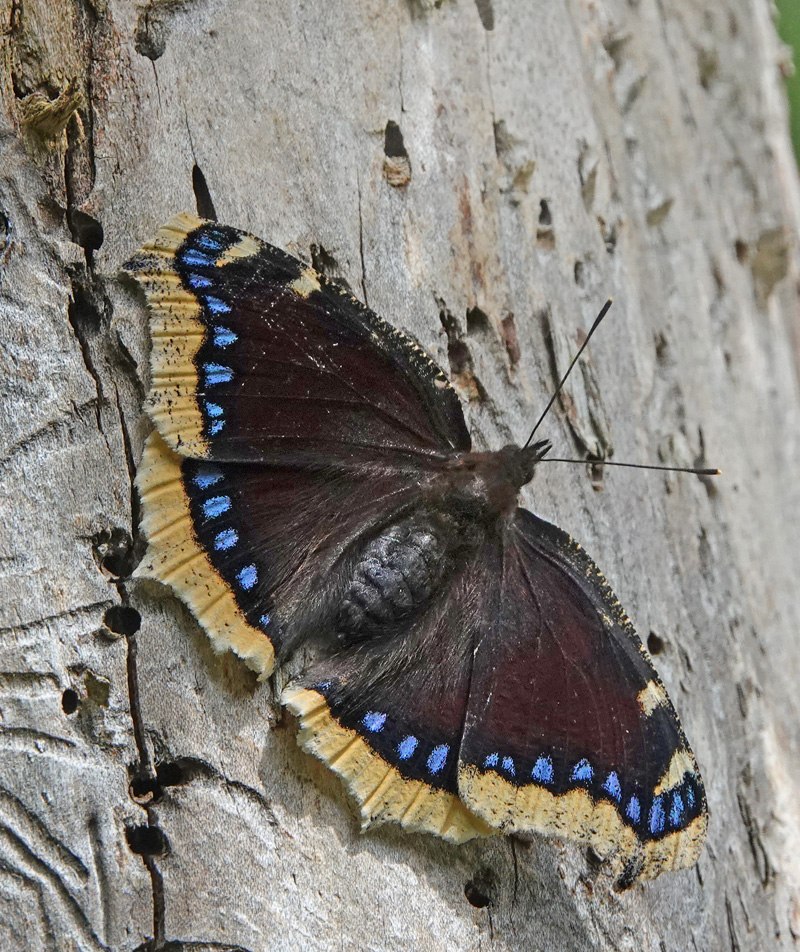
(312,478)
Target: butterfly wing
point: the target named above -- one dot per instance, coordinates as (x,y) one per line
(568,728)
(387,716)
(256,356)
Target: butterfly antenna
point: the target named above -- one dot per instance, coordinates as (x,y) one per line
(665,469)
(581,349)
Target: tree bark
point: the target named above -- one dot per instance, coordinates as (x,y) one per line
(483,173)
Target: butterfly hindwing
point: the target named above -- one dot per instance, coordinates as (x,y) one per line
(388,717)
(568,728)
(256,356)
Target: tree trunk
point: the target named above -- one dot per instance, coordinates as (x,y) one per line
(483,173)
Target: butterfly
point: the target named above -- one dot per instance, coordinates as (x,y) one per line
(311,480)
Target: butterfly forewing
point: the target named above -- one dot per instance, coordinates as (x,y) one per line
(257,356)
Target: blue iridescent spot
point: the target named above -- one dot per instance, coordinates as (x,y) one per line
(582,770)
(633,811)
(373,721)
(264,620)
(437,758)
(676,810)
(543,770)
(198,281)
(216,506)
(226,539)
(217,373)
(214,409)
(223,337)
(216,427)
(248,576)
(492,760)
(690,797)
(406,747)
(612,786)
(196,259)
(508,765)
(206,477)
(212,240)
(657,815)
(216,306)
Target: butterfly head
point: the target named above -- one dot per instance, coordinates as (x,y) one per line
(485,486)
(519,462)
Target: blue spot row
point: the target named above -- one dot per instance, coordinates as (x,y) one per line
(582,770)
(226,539)
(217,373)
(437,758)
(214,507)
(247,577)
(223,337)
(543,770)
(216,306)
(375,721)
(207,476)
(407,746)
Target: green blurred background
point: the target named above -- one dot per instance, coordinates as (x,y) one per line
(789,29)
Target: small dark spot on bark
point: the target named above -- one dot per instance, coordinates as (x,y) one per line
(202,194)
(396,165)
(147,788)
(146,840)
(150,38)
(122,620)
(171,773)
(662,348)
(655,644)
(609,233)
(459,357)
(86,310)
(86,230)
(480,889)
(477,321)
(741,250)
(70,700)
(503,140)
(508,330)
(5,228)
(545,215)
(577,272)
(113,551)
(594,862)
(707,66)
(486,13)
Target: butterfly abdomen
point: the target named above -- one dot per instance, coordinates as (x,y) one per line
(396,576)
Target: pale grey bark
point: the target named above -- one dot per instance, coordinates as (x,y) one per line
(553,154)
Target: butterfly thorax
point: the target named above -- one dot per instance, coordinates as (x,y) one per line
(484,487)
(401,569)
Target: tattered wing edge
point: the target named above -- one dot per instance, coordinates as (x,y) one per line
(576,816)
(175,558)
(177,333)
(383,794)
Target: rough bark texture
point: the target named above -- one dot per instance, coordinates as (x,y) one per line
(538,157)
